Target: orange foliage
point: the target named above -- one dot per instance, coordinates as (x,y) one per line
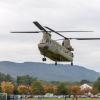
(74,89)
(48,88)
(22,89)
(7,87)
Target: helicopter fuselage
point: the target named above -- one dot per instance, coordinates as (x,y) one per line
(53,50)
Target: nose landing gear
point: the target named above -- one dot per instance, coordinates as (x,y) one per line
(44,59)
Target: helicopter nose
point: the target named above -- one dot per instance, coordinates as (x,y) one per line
(43,46)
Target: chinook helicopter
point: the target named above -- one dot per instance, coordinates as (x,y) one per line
(51,48)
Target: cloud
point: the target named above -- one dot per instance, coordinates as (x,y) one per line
(57,14)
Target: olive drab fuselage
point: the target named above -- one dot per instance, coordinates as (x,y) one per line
(55,51)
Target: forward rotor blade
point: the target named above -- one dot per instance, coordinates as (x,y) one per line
(39,26)
(73,31)
(55,32)
(65,31)
(80,39)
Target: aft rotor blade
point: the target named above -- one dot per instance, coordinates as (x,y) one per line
(46,31)
(25,32)
(39,26)
(85,38)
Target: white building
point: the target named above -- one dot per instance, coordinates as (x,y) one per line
(85,86)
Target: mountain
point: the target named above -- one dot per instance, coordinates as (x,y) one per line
(48,72)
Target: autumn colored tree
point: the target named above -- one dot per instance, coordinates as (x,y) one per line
(29,89)
(48,88)
(54,89)
(0,88)
(7,87)
(22,89)
(94,91)
(74,90)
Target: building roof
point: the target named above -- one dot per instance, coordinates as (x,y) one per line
(85,86)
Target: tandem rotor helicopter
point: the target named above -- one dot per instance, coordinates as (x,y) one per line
(51,48)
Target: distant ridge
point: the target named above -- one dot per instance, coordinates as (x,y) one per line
(48,72)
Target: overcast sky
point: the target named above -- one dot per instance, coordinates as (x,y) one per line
(58,14)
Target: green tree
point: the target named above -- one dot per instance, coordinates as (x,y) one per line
(84,81)
(62,89)
(6,78)
(25,80)
(15,89)
(97,84)
(37,88)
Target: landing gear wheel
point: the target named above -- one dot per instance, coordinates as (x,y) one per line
(71,63)
(43,59)
(55,63)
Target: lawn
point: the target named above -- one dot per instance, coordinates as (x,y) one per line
(62,99)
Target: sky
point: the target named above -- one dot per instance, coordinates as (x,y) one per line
(18,15)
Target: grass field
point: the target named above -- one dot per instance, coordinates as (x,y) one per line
(63,99)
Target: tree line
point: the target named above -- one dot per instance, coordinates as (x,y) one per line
(31,85)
